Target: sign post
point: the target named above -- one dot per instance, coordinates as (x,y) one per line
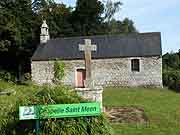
(37,127)
(36,109)
(39,112)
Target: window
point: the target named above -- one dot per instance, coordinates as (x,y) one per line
(135,65)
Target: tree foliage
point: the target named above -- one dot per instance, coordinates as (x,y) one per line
(87,17)
(120,27)
(171,60)
(171,70)
(39,5)
(111,8)
(16,23)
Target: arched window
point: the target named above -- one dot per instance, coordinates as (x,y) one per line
(135,65)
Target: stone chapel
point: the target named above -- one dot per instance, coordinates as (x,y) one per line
(120,60)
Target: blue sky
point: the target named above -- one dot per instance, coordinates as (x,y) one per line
(152,16)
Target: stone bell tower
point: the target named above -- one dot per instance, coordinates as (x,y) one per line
(44,37)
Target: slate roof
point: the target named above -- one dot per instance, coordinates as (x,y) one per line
(108,46)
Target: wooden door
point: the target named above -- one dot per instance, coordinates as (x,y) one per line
(81,76)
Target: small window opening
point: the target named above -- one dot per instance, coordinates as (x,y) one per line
(135,65)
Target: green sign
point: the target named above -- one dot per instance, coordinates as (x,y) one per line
(59,111)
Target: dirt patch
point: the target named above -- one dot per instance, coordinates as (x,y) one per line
(126,115)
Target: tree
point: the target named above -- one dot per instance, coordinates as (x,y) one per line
(116,26)
(171,60)
(8,30)
(56,15)
(16,22)
(119,27)
(87,17)
(178,53)
(16,36)
(39,5)
(58,20)
(127,26)
(111,8)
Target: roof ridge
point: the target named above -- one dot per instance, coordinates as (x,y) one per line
(112,35)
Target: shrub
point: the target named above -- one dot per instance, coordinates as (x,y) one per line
(58,70)
(7,76)
(34,95)
(171,79)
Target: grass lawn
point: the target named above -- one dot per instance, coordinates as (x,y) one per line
(161,106)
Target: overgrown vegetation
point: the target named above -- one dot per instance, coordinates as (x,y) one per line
(59,70)
(161,106)
(35,95)
(171,70)
(7,76)
(171,78)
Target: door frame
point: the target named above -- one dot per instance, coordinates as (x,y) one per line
(76,78)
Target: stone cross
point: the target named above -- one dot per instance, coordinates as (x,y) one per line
(87,48)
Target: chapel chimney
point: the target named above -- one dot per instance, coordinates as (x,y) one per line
(44,37)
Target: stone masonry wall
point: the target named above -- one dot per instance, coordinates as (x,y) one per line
(42,71)
(105,72)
